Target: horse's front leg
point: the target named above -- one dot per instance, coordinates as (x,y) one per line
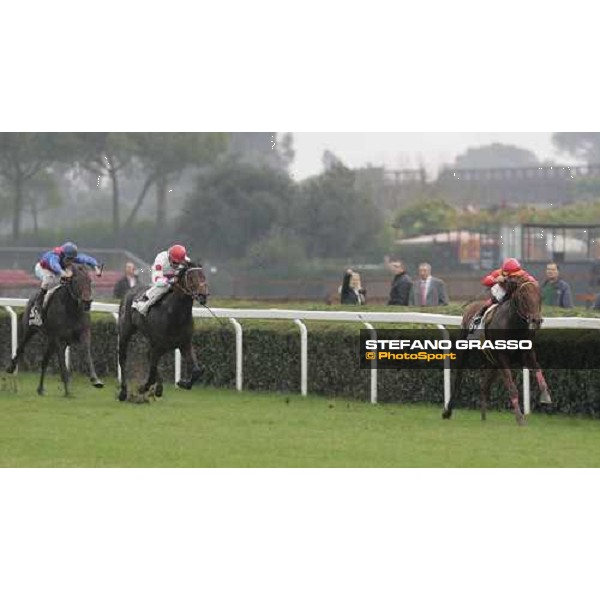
(124,337)
(530,361)
(50,349)
(154,357)
(194,369)
(158,388)
(29,333)
(513,393)
(61,348)
(86,340)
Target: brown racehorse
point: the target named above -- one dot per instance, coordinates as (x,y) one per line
(521,310)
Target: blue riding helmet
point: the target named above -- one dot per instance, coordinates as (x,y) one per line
(69,250)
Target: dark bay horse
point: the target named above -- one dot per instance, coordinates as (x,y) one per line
(66,321)
(168,326)
(520,311)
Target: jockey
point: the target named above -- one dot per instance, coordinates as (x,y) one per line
(53,266)
(511,268)
(164,269)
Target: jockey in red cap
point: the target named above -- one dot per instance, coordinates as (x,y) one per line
(511,268)
(164,269)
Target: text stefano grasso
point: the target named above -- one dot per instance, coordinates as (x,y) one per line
(497,344)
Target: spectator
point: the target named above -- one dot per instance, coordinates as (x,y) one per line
(556,291)
(127,282)
(352,291)
(401,284)
(428,290)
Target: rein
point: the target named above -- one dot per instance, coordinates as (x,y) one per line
(184,288)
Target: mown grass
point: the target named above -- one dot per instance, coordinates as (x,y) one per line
(222,428)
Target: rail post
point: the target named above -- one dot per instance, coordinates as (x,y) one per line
(373,369)
(177,365)
(526,392)
(447,371)
(303,356)
(14,331)
(239,356)
(116,318)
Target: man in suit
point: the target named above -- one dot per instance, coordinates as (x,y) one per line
(428,290)
(401,284)
(127,282)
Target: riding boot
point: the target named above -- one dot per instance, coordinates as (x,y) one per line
(36,313)
(477,319)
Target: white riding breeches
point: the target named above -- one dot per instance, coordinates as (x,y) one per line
(48,278)
(498,292)
(153,295)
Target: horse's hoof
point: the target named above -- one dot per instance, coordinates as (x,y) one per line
(122,395)
(446,414)
(97,383)
(11,368)
(184,385)
(521,420)
(158,390)
(40,391)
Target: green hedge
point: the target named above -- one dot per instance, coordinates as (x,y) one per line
(271,362)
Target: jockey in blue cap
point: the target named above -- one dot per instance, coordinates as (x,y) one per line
(53,266)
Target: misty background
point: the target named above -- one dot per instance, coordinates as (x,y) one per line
(282,214)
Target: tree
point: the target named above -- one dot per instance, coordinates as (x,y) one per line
(262,148)
(44,194)
(279,249)
(233,205)
(426,217)
(106,154)
(164,156)
(583,146)
(335,219)
(495,156)
(22,157)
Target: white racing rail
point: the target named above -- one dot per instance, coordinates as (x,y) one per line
(299,316)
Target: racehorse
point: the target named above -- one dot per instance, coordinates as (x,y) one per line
(169,325)
(521,311)
(66,320)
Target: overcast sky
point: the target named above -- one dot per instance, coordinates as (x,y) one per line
(405,150)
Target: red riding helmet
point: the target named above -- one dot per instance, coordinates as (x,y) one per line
(511,265)
(178,254)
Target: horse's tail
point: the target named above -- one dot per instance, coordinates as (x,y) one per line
(125,311)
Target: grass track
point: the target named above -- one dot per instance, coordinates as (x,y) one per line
(221,428)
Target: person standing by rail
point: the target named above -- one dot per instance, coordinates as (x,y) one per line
(352,291)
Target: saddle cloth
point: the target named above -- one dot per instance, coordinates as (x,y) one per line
(479,331)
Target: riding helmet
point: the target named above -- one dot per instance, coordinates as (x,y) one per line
(511,265)
(69,250)
(178,254)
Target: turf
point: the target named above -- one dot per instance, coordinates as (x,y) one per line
(222,428)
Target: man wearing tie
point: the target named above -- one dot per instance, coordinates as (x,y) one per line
(428,290)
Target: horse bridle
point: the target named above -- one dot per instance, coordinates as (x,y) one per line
(527,318)
(184,288)
(67,283)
